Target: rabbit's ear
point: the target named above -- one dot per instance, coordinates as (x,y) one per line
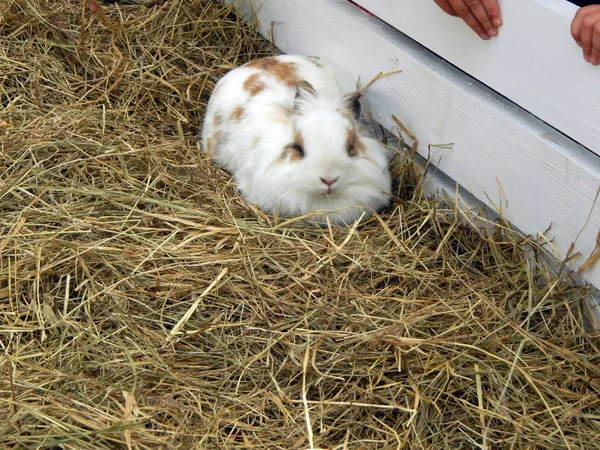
(304,91)
(353,104)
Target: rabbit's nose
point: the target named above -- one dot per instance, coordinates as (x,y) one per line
(329,181)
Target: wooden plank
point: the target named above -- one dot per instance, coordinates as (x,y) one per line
(534,60)
(503,155)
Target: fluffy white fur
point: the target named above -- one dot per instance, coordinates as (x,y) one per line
(252,148)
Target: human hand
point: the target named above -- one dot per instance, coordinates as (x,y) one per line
(585,29)
(483,16)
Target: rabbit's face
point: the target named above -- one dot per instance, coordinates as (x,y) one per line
(326,164)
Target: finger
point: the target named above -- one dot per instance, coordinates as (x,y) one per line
(464,12)
(587,33)
(493,10)
(481,14)
(581,17)
(586,55)
(93,6)
(576,26)
(595,56)
(446,7)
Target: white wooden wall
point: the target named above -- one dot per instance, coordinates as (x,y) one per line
(535,62)
(505,152)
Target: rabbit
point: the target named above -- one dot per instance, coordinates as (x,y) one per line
(291,139)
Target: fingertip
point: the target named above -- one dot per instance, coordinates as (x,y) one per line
(484,36)
(497,21)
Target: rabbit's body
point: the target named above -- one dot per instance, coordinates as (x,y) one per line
(284,129)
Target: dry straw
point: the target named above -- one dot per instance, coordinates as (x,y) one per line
(143,305)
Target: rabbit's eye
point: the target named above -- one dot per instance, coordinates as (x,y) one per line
(351,144)
(298,149)
(294,151)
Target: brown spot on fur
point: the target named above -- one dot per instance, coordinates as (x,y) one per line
(354,145)
(261,63)
(254,85)
(217,119)
(237,113)
(294,151)
(299,139)
(285,72)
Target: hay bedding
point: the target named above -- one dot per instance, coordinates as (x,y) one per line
(143,305)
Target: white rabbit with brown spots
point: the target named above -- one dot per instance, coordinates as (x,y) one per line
(291,138)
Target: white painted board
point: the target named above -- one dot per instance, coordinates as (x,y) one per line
(534,60)
(501,154)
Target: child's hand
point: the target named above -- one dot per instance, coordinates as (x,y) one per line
(586,32)
(483,16)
